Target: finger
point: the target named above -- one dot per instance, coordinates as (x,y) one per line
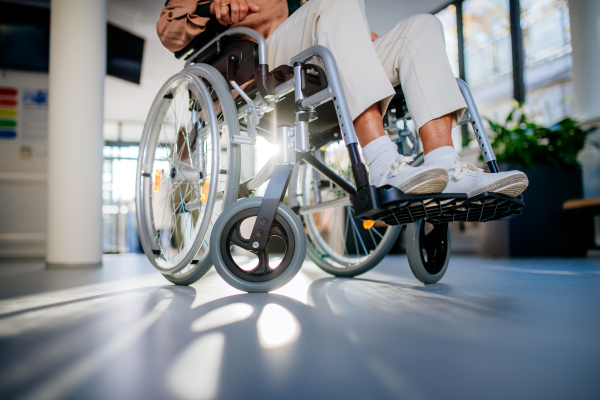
(243,9)
(217,10)
(253,7)
(225,14)
(235,11)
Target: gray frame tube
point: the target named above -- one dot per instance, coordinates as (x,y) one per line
(262,43)
(339,99)
(317,99)
(480,133)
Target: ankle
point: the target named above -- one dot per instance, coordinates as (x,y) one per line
(443,157)
(379,154)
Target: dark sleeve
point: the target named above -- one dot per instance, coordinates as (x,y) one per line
(203,10)
(293,5)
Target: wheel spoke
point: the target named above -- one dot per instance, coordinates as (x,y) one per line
(235,238)
(263,264)
(357,232)
(355,241)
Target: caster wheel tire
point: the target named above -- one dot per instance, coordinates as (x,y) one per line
(257,272)
(428,250)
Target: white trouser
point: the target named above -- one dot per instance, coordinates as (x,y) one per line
(412,54)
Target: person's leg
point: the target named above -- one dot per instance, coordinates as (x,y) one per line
(413,53)
(369,126)
(341,26)
(434,134)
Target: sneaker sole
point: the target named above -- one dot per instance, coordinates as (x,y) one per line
(430,182)
(511,186)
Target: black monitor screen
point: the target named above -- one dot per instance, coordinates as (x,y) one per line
(24,37)
(25,43)
(124,54)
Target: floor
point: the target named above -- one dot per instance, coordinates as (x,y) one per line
(493,329)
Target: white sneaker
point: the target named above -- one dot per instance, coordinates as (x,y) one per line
(466,178)
(414,180)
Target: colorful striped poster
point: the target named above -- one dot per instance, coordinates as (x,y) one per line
(8,112)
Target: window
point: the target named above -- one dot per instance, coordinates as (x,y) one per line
(448,18)
(118,195)
(548,62)
(488,54)
(546,30)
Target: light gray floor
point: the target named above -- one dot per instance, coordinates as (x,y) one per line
(493,329)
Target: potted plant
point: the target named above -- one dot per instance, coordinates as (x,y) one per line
(548,155)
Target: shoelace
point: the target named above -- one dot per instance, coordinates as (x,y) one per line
(397,166)
(459,167)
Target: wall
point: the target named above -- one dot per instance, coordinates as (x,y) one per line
(23,182)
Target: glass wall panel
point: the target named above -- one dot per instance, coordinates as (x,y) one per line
(488,55)
(546,29)
(118,194)
(448,18)
(548,62)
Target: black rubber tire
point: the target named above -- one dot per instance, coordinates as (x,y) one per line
(296,262)
(414,253)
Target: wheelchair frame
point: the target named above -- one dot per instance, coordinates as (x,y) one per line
(364,201)
(367,201)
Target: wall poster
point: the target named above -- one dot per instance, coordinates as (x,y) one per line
(23,113)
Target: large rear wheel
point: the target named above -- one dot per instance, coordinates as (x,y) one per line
(188,171)
(338,242)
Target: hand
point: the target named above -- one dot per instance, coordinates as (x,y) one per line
(374,36)
(232,11)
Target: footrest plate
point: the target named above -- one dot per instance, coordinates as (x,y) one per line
(397,208)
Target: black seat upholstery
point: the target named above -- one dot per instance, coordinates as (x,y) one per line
(213,28)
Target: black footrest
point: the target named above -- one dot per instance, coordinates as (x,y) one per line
(396,208)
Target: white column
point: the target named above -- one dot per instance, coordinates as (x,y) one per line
(585,36)
(76,100)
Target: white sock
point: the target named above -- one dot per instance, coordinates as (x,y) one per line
(443,157)
(379,155)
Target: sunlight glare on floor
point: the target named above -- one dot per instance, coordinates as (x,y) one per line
(277,327)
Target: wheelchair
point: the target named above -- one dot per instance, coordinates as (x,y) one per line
(193,212)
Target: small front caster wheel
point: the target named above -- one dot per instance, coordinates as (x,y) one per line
(428,250)
(257,272)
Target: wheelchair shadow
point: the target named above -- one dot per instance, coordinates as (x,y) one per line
(269,346)
(57,340)
(362,295)
(152,343)
(161,345)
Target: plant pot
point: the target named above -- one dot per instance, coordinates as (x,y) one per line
(545,229)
